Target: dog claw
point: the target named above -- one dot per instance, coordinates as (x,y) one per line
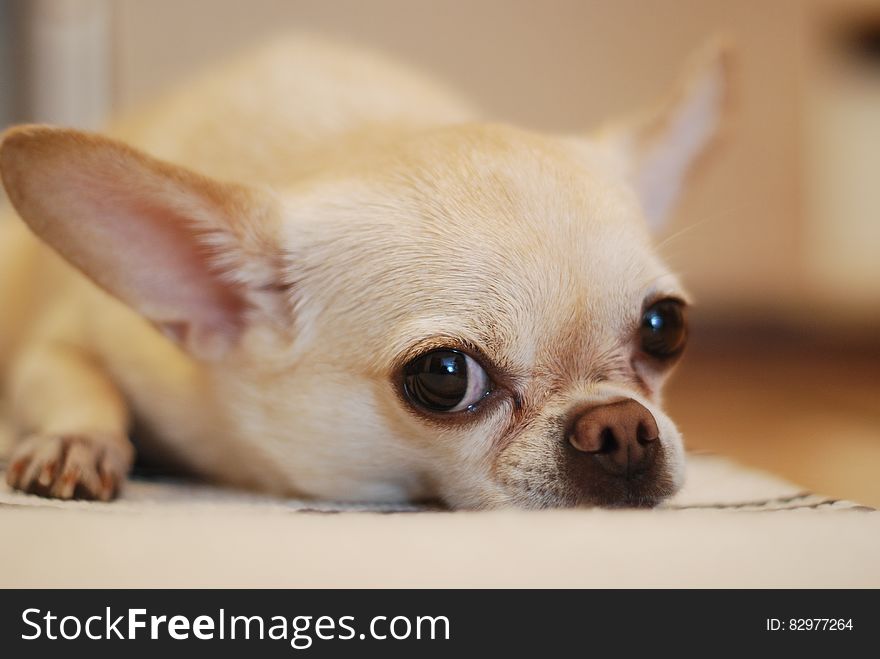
(69,467)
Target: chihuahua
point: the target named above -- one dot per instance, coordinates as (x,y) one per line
(317,273)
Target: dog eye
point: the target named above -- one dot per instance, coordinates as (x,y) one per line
(663,332)
(445,381)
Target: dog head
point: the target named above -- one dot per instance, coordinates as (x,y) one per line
(473,312)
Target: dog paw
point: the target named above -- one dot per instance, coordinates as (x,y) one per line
(70,466)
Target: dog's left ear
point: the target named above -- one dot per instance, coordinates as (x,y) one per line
(660,146)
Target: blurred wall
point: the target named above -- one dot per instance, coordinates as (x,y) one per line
(64,60)
(7,92)
(841,155)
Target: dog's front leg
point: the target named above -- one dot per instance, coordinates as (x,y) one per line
(73,425)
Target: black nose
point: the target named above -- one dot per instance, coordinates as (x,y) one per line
(621,436)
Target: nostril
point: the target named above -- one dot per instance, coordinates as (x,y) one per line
(607,441)
(646,435)
(620,437)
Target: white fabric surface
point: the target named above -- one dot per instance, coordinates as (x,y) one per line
(729,527)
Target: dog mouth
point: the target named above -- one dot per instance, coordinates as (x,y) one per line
(630,497)
(575,483)
(644,488)
(548,498)
(639,494)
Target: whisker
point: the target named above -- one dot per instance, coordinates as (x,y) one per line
(714,217)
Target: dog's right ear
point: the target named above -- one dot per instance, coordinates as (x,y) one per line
(191,254)
(660,146)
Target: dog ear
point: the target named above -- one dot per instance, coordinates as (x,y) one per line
(661,145)
(190,254)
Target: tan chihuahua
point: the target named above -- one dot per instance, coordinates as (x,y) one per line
(324,276)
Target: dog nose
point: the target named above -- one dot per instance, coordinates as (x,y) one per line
(622,436)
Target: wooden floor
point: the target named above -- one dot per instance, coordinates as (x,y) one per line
(804,407)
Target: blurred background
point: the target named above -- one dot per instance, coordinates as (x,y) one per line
(778,239)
